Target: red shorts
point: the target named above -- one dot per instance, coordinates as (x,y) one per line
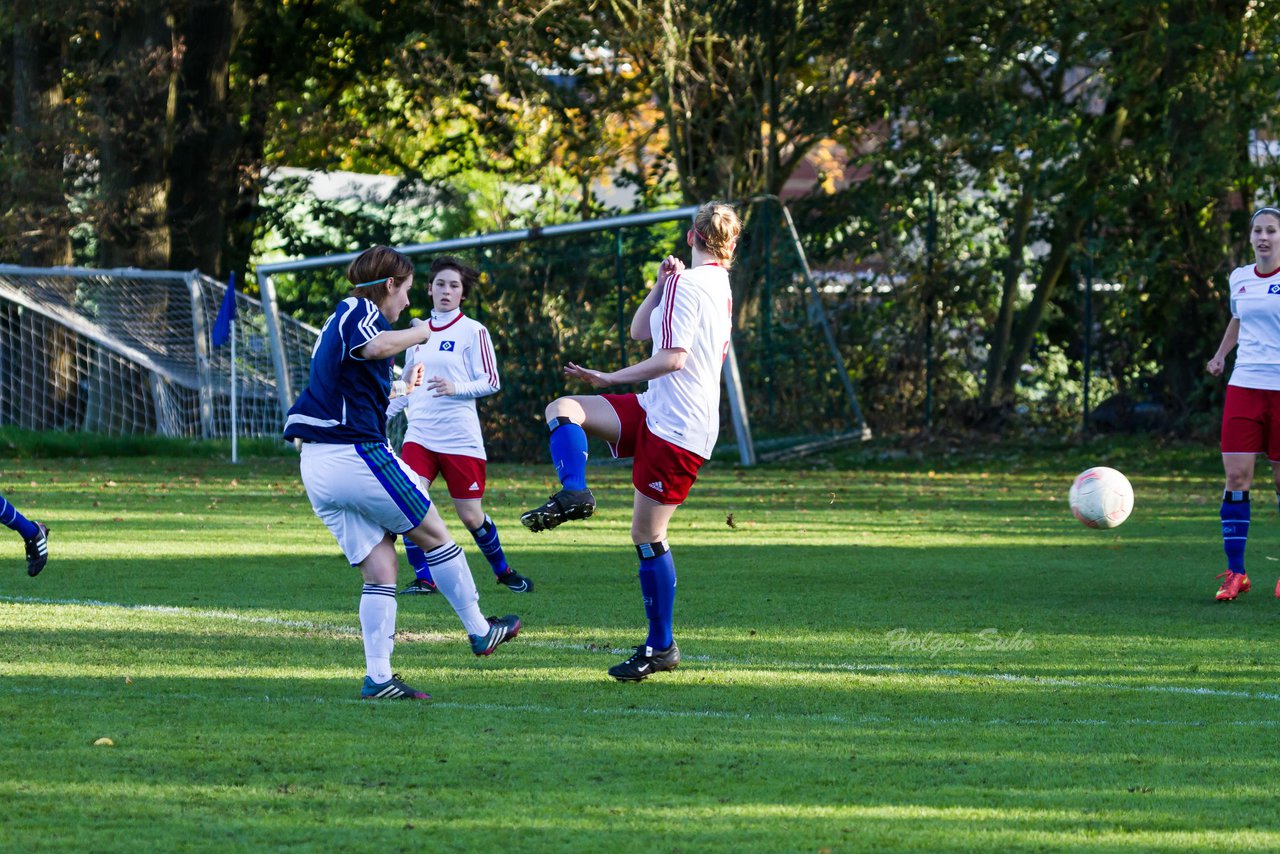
(1251,422)
(661,471)
(463,475)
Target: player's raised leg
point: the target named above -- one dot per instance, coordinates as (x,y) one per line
(35,536)
(452,575)
(571,420)
(659,652)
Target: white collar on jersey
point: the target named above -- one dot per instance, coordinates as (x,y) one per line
(445,316)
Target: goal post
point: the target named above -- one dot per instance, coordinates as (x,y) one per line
(128,351)
(732,380)
(566,292)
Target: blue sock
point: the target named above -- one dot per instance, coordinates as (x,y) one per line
(1235,527)
(12,519)
(486,537)
(418,560)
(569,453)
(658,585)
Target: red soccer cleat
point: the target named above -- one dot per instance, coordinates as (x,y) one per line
(1236,583)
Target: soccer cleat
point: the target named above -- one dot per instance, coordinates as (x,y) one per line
(645,662)
(1236,583)
(564,505)
(392,689)
(501,630)
(515,582)
(419,587)
(1278,589)
(37,550)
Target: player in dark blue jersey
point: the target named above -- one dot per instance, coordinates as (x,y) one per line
(35,536)
(357,485)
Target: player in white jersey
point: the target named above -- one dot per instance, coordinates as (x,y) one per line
(358,487)
(669,430)
(444,437)
(1251,414)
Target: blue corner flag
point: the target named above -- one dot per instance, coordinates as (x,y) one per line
(226,314)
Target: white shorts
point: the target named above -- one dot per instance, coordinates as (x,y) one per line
(362,493)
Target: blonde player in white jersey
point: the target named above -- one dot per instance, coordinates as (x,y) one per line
(444,437)
(670,429)
(1251,414)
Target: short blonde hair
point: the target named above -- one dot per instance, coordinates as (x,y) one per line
(716,227)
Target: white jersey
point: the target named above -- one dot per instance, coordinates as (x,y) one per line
(694,315)
(460,351)
(1255,301)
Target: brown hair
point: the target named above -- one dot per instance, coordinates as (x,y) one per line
(1260,211)
(715,228)
(470,275)
(371,269)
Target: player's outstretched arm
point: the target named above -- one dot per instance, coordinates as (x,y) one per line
(659,364)
(394,342)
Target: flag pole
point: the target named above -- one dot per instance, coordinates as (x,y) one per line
(234,431)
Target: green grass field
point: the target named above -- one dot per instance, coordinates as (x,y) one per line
(883,652)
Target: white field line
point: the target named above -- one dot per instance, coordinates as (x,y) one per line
(922,670)
(636,712)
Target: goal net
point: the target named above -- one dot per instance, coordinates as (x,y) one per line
(129,351)
(567,292)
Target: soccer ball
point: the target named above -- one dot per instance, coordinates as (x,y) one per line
(1101,497)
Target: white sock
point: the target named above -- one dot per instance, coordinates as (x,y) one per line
(449,568)
(378,626)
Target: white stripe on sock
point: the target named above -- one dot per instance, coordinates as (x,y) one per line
(453,577)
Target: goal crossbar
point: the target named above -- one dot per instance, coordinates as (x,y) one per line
(732,378)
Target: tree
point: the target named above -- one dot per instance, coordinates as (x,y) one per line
(34,125)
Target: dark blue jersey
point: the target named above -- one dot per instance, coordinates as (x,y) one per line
(345,401)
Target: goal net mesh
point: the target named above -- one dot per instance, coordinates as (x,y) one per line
(550,298)
(126,352)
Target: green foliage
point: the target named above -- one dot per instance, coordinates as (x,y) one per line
(1043,132)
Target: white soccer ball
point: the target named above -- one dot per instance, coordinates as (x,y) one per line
(1101,497)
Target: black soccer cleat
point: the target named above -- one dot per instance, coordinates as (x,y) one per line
(37,550)
(645,662)
(419,587)
(392,689)
(564,505)
(501,630)
(515,582)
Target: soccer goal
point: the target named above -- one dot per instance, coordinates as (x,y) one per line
(566,292)
(129,351)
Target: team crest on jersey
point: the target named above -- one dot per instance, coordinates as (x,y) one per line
(1273,289)
(446,346)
